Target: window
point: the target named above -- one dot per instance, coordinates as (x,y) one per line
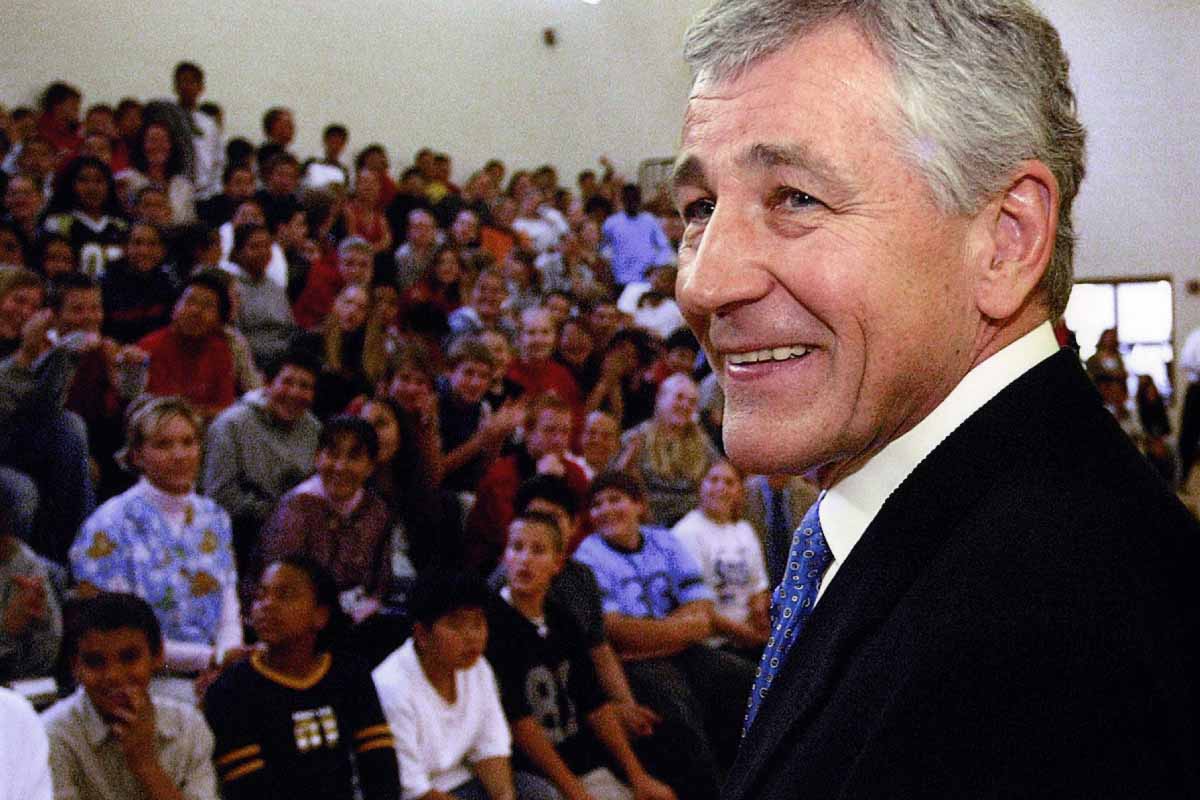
(1143,313)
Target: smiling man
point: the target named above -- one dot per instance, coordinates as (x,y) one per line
(988,598)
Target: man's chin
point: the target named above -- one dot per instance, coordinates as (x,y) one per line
(759,449)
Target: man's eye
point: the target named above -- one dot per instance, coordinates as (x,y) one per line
(698,210)
(792,199)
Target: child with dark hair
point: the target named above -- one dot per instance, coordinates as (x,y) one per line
(86,210)
(139,291)
(111,739)
(299,718)
(440,698)
(53,256)
(191,356)
(334,519)
(428,520)
(159,159)
(261,447)
(59,121)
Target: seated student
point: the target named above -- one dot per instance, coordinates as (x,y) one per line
(237,182)
(534,370)
(600,442)
(670,452)
(471,437)
(501,389)
(680,351)
(427,524)
(43,448)
(111,740)
(361,214)
(409,381)
(264,314)
(333,519)
(30,613)
(731,560)
(575,590)
(166,543)
(543,451)
(300,718)
(106,378)
(327,277)
(138,290)
(281,178)
(440,698)
(352,342)
(191,357)
(263,445)
(86,210)
(624,388)
(158,160)
(658,613)
(548,683)
(485,305)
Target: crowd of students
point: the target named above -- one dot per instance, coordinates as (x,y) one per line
(325,479)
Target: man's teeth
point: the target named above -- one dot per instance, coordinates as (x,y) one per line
(769,354)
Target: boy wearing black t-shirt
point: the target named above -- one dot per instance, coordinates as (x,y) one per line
(562,724)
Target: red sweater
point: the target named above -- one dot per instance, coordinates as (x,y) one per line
(320,290)
(199,369)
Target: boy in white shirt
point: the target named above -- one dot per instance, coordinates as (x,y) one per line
(440,697)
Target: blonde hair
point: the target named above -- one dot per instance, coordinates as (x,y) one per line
(145,415)
(678,454)
(374,353)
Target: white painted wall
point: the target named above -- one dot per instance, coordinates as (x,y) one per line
(1136,68)
(472,77)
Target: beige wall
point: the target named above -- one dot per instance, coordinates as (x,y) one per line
(471,77)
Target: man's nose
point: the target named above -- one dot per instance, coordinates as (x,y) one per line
(727,268)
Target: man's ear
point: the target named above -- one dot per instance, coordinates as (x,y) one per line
(1019,227)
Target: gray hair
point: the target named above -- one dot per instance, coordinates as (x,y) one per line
(981,85)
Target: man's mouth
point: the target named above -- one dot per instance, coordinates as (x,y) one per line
(768,354)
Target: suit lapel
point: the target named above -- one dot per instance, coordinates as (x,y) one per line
(904,538)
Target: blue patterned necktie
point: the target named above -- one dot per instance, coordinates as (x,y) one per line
(791,603)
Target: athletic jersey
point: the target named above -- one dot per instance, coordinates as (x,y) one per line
(546,672)
(96,242)
(278,737)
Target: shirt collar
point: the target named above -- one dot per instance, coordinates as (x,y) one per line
(164,501)
(315,486)
(96,730)
(849,507)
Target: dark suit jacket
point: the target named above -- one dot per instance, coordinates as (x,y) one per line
(1018,621)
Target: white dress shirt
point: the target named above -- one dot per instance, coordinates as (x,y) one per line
(849,507)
